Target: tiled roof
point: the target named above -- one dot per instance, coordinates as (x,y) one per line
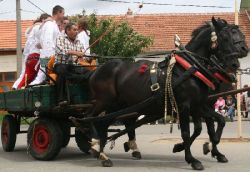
(161,27)
(8,33)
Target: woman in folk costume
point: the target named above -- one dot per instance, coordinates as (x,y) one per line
(25,54)
(31,54)
(84,37)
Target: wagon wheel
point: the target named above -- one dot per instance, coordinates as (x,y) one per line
(65,127)
(44,139)
(8,133)
(83,140)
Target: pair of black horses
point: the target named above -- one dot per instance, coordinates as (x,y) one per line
(116,85)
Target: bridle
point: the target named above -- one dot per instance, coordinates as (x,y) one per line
(215,62)
(215,37)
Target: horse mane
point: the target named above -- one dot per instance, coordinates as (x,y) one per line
(200,36)
(200,29)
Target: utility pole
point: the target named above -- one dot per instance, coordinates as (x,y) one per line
(18,38)
(236,21)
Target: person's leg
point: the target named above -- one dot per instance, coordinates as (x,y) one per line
(30,71)
(17,82)
(81,72)
(40,78)
(61,71)
(231,113)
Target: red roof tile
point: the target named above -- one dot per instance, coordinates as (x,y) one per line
(161,27)
(8,33)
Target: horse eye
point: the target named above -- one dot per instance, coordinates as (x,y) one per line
(224,36)
(234,31)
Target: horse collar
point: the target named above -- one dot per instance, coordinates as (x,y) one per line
(186,65)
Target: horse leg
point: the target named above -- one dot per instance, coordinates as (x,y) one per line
(185,134)
(95,128)
(131,144)
(197,131)
(106,162)
(215,136)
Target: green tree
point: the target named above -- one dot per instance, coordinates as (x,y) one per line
(119,38)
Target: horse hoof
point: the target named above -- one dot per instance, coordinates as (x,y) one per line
(178,147)
(126,147)
(222,159)
(197,166)
(107,163)
(206,148)
(94,153)
(136,155)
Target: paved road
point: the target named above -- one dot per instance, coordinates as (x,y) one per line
(156,151)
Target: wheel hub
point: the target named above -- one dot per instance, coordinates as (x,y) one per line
(41,139)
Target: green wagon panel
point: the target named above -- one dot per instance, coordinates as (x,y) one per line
(24,100)
(2,104)
(14,100)
(43,94)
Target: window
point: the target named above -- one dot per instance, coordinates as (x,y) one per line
(7,76)
(1,77)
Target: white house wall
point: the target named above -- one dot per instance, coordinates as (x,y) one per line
(245,63)
(8,63)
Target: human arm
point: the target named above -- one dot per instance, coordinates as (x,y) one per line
(76,53)
(60,46)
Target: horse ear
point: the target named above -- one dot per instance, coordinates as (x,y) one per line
(214,21)
(224,21)
(219,23)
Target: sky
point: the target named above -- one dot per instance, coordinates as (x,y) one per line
(103,7)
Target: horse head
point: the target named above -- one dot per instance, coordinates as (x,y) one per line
(231,43)
(221,39)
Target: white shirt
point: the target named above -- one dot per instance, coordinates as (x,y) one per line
(34,37)
(26,49)
(48,34)
(84,38)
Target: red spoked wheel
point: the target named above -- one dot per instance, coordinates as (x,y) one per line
(41,139)
(44,139)
(8,133)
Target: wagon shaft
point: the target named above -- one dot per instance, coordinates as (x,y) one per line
(232,92)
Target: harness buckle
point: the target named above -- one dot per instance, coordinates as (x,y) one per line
(155,87)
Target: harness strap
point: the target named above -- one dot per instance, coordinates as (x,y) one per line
(198,74)
(153,74)
(221,78)
(186,75)
(190,58)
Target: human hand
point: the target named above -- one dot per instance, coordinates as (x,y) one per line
(38,46)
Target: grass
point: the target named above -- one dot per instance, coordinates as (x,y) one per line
(2,113)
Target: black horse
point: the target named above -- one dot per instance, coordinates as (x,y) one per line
(209,115)
(208,111)
(119,84)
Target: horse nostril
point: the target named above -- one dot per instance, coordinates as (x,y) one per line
(245,49)
(235,66)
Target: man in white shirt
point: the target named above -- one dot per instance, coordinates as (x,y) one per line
(68,49)
(49,32)
(30,53)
